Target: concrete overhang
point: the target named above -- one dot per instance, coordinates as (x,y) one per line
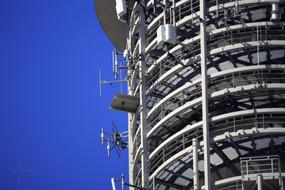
(116,30)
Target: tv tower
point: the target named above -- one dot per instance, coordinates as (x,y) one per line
(206,91)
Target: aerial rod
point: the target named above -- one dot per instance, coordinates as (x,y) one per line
(112,81)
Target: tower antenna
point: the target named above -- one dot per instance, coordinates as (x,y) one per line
(115,140)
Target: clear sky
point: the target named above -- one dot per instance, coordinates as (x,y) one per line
(50,109)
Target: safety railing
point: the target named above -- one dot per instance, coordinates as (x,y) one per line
(259,164)
(239,36)
(233,186)
(230,125)
(215,84)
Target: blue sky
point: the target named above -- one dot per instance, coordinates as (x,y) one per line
(50,110)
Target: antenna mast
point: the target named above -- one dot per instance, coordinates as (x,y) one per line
(119,68)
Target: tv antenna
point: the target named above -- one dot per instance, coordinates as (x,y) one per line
(115,141)
(119,70)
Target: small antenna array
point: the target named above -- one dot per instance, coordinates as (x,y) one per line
(114,141)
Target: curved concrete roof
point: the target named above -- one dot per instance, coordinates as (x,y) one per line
(115,29)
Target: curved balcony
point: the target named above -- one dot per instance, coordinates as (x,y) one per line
(164,124)
(217,81)
(234,125)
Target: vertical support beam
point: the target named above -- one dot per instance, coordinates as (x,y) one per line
(130,147)
(143,110)
(280,179)
(195,164)
(130,118)
(204,84)
(259,182)
(123,182)
(130,139)
(281,183)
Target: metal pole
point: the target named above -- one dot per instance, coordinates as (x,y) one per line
(123,182)
(259,182)
(130,132)
(130,147)
(165,10)
(195,164)
(281,184)
(204,85)
(143,109)
(131,116)
(113,183)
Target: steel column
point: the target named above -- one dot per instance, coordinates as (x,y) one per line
(259,182)
(143,109)
(204,85)
(130,117)
(130,139)
(195,164)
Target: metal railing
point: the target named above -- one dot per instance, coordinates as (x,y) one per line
(216,41)
(259,164)
(230,125)
(215,84)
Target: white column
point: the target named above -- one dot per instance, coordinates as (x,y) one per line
(130,117)
(195,164)
(204,84)
(130,141)
(259,182)
(143,113)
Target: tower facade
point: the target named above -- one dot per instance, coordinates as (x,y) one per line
(209,80)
